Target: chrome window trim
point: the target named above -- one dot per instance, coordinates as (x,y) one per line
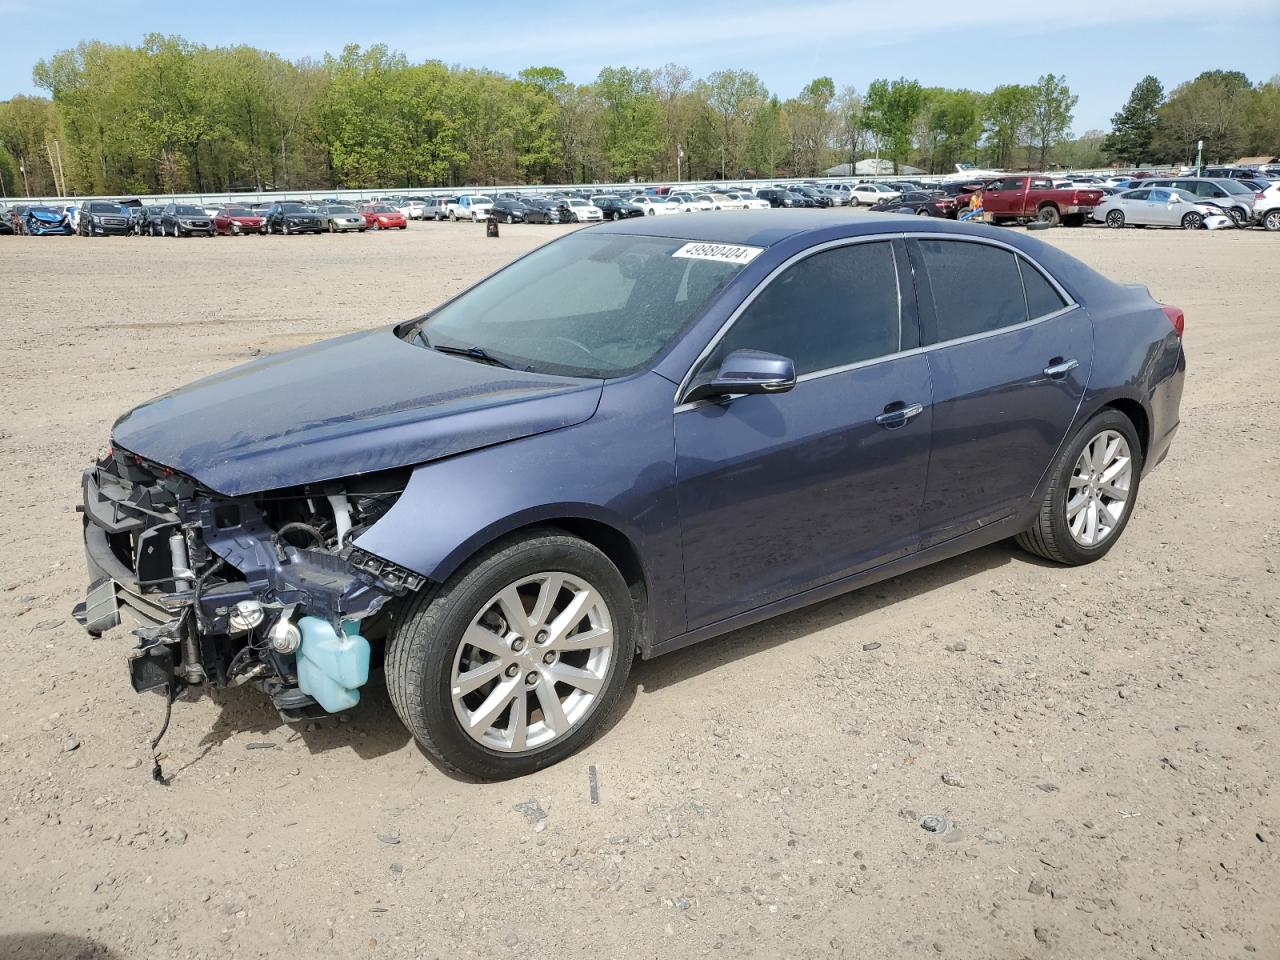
(1070,304)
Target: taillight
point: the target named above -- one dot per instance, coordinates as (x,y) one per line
(1261,194)
(1176,317)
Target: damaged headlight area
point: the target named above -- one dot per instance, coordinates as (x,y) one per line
(267,589)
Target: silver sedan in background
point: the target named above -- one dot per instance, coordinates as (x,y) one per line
(1154,207)
(338,218)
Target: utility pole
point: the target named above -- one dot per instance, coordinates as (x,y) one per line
(52,169)
(1199,156)
(679,157)
(57,146)
(26,186)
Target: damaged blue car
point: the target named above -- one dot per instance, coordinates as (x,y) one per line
(634,438)
(45,222)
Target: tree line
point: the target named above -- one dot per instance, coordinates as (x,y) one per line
(174,116)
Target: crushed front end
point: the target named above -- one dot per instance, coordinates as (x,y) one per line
(222,590)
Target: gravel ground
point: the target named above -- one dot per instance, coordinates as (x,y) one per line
(1102,740)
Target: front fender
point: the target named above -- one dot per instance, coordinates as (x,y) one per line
(615,469)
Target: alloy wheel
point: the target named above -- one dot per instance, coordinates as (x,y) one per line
(532,663)
(1098,489)
(1192,221)
(1115,219)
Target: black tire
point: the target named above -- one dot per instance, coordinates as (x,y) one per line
(1271,220)
(1115,219)
(424,641)
(1049,214)
(1192,221)
(1240,217)
(1049,537)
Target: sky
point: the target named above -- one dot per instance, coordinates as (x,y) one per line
(1103,47)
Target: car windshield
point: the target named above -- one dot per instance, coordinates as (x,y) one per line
(343,211)
(237,212)
(590,305)
(576,203)
(100,207)
(293,208)
(184,211)
(475,200)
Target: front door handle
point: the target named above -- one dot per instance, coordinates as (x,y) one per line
(1059,368)
(898,413)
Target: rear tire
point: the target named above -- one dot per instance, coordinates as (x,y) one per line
(425,651)
(1050,215)
(1271,220)
(1115,219)
(1050,536)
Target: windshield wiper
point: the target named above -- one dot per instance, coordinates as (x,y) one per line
(474,353)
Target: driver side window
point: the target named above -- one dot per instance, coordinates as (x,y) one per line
(831,309)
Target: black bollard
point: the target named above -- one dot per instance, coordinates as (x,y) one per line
(491,227)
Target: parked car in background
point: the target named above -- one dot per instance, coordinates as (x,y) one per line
(102,218)
(778,197)
(469,207)
(44,221)
(747,200)
(817,197)
(655,205)
(292,217)
(870,193)
(542,210)
(412,208)
(383,216)
(185,220)
(1234,197)
(508,210)
(616,208)
(1154,207)
(1266,208)
(437,208)
(235,221)
(577,210)
(919,202)
(688,203)
(1023,196)
(1228,173)
(420,489)
(341,218)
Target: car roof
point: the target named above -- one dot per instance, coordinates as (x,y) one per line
(766,228)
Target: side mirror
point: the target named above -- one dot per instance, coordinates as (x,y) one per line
(746,372)
(1174,200)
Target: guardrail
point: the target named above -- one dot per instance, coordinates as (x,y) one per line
(356,196)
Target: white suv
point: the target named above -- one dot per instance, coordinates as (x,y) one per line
(1266,207)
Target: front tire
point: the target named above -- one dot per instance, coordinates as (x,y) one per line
(516,660)
(1192,221)
(1091,494)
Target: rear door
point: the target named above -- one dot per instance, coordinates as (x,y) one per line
(1009,358)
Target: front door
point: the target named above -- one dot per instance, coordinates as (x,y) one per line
(779,493)
(1009,358)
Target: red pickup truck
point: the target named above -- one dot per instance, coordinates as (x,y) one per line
(1025,197)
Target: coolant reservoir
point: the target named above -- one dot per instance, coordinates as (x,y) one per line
(332,667)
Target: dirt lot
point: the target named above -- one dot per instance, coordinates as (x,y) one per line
(1109,732)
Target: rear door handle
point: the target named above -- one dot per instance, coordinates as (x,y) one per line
(898,413)
(1059,368)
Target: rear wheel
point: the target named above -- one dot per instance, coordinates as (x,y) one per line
(1115,219)
(515,661)
(1271,220)
(1091,494)
(922,212)
(1049,214)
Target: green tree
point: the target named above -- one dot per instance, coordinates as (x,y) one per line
(1214,108)
(632,129)
(1007,111)
(890,113)
(810,118)
(734,95)
(1052,106)
(767,140)
(1133,128)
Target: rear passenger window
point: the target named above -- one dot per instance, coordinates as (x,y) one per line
(976,288)
(1042,298)
(831,309)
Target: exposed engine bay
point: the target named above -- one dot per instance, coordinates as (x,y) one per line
(266,589)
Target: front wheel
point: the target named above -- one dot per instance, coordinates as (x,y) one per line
(1192,221)
(513,663)
(1091,494)
(1240,217)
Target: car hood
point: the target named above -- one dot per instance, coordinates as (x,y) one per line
(46,216)
(356,404)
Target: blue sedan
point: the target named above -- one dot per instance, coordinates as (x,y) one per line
(640,436)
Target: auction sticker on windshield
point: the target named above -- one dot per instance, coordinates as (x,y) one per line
(724,252)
